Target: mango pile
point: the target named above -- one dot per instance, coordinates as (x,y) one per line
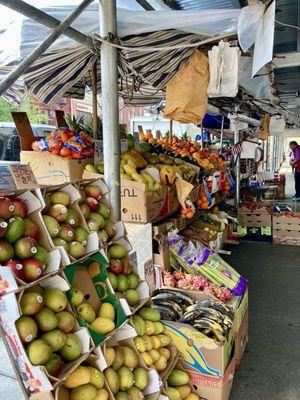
(179,387)
(121,276)
(102,322)
(125,377)
(19,241)
(86,383)
(45,327)
(151,342)
(96,213)
(63,223)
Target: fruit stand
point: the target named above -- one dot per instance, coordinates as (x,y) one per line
(91,313)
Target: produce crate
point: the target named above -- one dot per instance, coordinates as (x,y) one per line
(286,229)
(241,339)
(48,168)
(263,208)
(255,220)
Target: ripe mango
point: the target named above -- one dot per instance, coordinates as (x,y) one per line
(178,377)
(159,328)
(140,378)
(96,378)
(161,364)
(83,392)
(80,376)
(140,344)
(165,352)
(126,378)
(107,311)
(150,327)
(156,343)
(102,394)
(135,393)
(148,342)
(154,355)
(172,393)
(131,359)
(192,396)
(119,358)
(112,380)
(103,326)
(117,251)
(147,358)
(109,355)
(147,313)
(165,340)
(184,391)
(148,177)
(139,325)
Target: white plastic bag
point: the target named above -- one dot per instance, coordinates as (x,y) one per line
(223,68)
(249,23)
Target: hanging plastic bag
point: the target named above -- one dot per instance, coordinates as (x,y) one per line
(249,23)
(224,70)
(186,93)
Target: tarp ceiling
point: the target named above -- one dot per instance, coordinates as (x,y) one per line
(65,69)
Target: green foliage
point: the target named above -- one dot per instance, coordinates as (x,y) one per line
(28,105)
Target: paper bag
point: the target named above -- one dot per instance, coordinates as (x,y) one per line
(183,189)
(264,128)
(186,93)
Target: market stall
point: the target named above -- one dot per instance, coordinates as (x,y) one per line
(113,284)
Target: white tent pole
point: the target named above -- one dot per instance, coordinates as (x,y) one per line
(238,169)
(110,103)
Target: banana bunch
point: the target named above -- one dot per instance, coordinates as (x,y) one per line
(188,173)
(128,170)
(170,304)
(210,317)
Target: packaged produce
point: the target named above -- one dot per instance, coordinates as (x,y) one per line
(210,316)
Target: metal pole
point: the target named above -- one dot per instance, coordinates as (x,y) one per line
(110,103)
(222,131)
(202,142)
(47,20)
(41,48)
(237,170)
(94,101)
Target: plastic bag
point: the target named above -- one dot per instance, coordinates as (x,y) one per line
(249,22)
(224,71)
(186,94)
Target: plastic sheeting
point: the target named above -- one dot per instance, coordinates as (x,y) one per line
(130,22)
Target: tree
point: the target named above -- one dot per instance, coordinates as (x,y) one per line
(29,105)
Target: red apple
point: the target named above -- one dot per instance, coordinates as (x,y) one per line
(20,208)
(33,269)
(115,266)
(6,207)
(92,203)
(17,267)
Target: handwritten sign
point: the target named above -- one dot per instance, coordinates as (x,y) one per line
(17,176)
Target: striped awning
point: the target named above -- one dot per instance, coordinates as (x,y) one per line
(16,92)
(142,75)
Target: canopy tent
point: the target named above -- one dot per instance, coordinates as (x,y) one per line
(66,69)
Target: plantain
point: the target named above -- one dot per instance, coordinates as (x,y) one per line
(166,312)
(173,306)
(182,298)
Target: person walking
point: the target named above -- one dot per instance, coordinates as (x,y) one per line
(295,163)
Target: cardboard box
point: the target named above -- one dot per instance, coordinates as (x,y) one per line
(8,281)
(142,289)
(241,339)
(93,241)
(239,304)
(213,388)
(48,168)
(286,230)
(161,255)
(119,226)
(264,207)
(255,220)
(97,290)
(153,277)
(63,393)
(125,336)
(36,379)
